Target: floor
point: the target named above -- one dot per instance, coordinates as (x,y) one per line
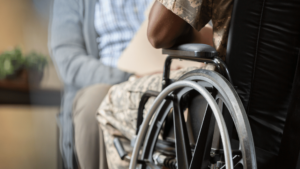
(28,137)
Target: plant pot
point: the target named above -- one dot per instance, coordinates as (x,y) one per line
(35,77)
(22,79)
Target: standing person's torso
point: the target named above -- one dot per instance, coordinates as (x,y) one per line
(116,22)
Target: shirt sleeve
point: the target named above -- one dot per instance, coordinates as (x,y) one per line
(195,12)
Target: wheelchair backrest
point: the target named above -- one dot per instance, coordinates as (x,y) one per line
(263,56)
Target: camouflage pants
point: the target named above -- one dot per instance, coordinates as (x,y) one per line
(117,114)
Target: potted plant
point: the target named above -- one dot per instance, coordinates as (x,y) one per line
(20,72)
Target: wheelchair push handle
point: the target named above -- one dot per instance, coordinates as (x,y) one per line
(193,52)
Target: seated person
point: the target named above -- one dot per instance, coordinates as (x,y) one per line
(87,39)
(170,23)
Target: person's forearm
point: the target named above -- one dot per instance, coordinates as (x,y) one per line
(166,29)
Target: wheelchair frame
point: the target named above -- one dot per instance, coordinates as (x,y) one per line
(199,53)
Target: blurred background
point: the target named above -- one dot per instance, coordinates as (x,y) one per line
(29,87)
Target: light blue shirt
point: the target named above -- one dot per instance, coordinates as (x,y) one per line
(116,22)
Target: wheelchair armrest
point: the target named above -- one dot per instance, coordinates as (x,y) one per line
(192,50)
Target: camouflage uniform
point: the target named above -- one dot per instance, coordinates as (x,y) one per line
(117,114)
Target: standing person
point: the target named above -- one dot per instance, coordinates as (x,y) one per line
(86,39)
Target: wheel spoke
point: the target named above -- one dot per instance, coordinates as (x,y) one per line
(237,162)
(237,159)
(183,149)
(204,141)
(217,137)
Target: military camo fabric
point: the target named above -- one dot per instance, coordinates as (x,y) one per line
(199,12)
(117,114)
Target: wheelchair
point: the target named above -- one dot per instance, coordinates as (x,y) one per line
(243,115)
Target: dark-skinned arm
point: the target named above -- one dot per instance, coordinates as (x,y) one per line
(166,29)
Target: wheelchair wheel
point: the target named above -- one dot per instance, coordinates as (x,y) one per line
(182,153)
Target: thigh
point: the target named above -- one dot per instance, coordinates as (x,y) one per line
(120,106)
(88,99)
